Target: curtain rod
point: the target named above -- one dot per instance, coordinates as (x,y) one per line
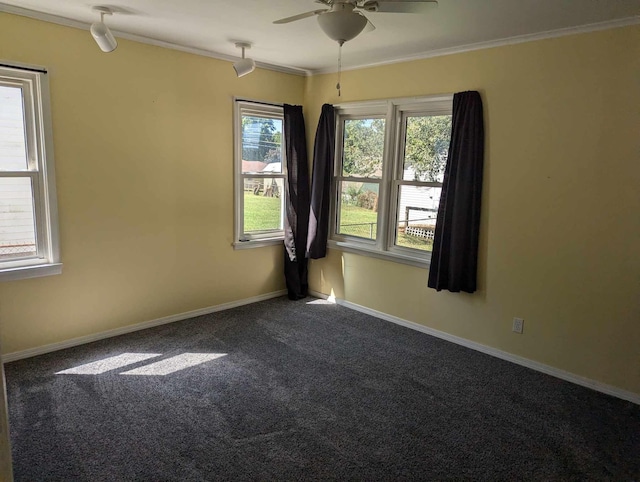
(273,104)
(28,69)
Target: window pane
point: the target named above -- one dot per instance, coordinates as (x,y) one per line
(17,227)
(426,148)
(363,148)
(13,152)
(261,145)
(358,209)
(417,213)
(263,202)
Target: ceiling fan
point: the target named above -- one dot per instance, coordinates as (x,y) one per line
(343,20)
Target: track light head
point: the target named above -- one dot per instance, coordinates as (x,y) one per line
(244,66)
(101,33)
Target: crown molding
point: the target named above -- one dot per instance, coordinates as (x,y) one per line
(67,22)
(563,32)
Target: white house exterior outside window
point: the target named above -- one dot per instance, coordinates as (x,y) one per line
(28,210)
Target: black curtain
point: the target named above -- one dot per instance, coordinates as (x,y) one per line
(297,205)
(323,154)
(455,247)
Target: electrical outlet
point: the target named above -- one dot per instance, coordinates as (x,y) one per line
(518,325)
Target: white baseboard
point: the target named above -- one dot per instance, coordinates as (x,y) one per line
(540,367)
(534,365)
(41,350)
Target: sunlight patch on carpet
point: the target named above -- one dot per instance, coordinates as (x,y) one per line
(174,364)
(322,302)
(108,364)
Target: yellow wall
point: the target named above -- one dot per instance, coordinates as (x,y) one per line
(143,150)
(560,232)
(143,146)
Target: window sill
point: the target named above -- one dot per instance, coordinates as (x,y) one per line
(386,255)
(35,271)
(257,243)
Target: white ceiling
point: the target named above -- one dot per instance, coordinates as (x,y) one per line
(212,26)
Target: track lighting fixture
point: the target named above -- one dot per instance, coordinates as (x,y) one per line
(101,33)
(244,66)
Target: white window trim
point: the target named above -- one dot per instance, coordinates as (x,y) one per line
(393,111)
(40,153)
(258,239)
(257,243)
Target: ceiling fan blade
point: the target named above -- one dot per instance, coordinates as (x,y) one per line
(399,6)
(300,16)
(369,27)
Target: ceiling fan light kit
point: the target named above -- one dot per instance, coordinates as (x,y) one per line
(342,25)
(343,20)
(244,66)
(101,33)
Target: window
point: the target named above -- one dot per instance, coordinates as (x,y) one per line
(260,174)
(390,165)
(28,214)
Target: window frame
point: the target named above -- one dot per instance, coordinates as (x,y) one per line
(40,169)
(395,111)
(338,178)
(242,239)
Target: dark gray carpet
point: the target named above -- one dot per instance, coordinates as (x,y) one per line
(310,391)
